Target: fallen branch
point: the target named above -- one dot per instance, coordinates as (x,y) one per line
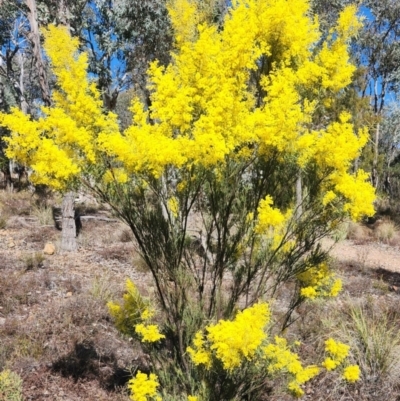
(98,218)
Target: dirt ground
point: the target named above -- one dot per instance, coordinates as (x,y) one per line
(370,255)
(55,330)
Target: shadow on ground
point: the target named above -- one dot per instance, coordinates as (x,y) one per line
(392,278)
(84,362)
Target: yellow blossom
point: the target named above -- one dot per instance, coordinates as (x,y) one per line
(295,389)
(173,205)
(199,355)
(337,350)
(203,111)
(330,364)
(235,340)
(308,292)
(232,341)
(319,281)
(147,314)
(336,288)
(133,311)
(351,373)
(268,216)
(149,332)
(281,359)
(329,197)
(144,387)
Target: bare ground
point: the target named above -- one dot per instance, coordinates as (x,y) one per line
(370,255)
(55,331)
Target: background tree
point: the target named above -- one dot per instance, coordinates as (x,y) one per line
(376,52)
(377,48)
(15,72)
(389,145)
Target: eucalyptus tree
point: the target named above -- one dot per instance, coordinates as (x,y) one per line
(376,51)
(389,144)
(17,86)
(378,48)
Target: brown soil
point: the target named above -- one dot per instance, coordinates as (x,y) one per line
(370,255)
(55,330)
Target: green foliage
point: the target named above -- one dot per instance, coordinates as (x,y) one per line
(129,313)
(374,340)
(10,386)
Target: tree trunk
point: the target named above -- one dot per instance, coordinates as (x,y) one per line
(34,38)
(22,100)
(68,237)
(374,175)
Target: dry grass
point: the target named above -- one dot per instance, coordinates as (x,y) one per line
(43,214)
(102,287)
(54,327)
(362,257)
(122,253)
(388,209)
(55,330)
(371,329)
(385,231)
(3,222)
(358,233)
(33,261)
(125,235)
(21,289)
(139,263)
(16,203)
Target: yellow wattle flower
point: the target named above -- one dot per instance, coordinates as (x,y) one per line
(352,373)
(143,386)
(149,333)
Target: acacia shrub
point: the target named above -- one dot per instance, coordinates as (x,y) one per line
(228,182)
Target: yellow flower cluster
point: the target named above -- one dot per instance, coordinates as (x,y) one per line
(203,111)
(281,359)
(244,338)
(115,175)
(147,314)
(173,206)
(149,333)
(232,341)
(184,17)
(338,353)
(133,314)
(351,373)
(144,387)
(200,355)
(268,217)
(319,281)
(10,385)
(128,314)
(63,141)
